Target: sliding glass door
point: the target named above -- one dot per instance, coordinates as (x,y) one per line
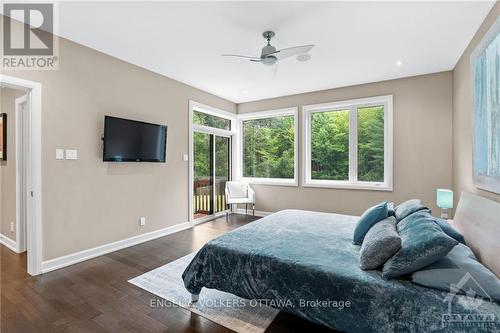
(202,180)
(212,169)
(222,154)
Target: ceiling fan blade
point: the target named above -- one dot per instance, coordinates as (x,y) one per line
(242,56)
(291,51)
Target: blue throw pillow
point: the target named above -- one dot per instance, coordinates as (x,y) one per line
(461,269)
(450,231)
(422,243)
(367,220)
(445,226)
(407,208)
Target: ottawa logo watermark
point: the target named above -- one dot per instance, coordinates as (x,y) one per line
(29,37)
(475,296)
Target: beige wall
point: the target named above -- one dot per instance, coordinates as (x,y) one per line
(87,202)
(8,167)
(422,146)
(106,199)
(462,116)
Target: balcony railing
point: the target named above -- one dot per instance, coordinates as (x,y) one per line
(202,196)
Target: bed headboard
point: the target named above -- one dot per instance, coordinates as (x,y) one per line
(478,219)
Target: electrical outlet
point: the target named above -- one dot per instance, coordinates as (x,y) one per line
(11,226)
(142,221)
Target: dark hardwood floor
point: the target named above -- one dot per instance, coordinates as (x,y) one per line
(94,296)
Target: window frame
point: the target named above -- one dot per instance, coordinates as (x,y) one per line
(352,105)
(292,111)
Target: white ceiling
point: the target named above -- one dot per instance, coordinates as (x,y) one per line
(356,42)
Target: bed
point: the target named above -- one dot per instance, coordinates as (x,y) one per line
(304,262)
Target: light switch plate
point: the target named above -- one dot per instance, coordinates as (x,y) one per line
(71,154)
(185,157)
(59,154)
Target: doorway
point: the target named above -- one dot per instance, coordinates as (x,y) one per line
(12,165)
(28,178)
(212,169)
(211,152)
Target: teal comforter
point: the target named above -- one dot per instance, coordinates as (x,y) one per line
(304,263)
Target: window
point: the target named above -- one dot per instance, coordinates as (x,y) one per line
(349,144)
(205,119)
(371,144)
(269,147)
(330,145)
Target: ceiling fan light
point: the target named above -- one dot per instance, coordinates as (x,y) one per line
(269,60)
(304,57)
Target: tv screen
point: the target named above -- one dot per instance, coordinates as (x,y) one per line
(133,141)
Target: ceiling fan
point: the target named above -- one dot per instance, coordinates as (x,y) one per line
(269,55)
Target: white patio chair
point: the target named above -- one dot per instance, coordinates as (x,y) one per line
(239,193)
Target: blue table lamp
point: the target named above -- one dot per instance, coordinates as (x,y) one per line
(444,200)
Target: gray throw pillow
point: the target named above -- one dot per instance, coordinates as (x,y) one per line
(380,243)
(422,243)
(460,271)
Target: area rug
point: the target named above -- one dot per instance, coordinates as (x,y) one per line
(235,313)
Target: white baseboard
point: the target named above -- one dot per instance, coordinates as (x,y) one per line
(259,213)
(12,245)
(70,259)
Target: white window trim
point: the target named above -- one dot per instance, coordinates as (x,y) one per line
(352,105)
(293,111)
(233,134)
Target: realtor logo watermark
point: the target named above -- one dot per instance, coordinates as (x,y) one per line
(29,37)
(255,303)
(475,297)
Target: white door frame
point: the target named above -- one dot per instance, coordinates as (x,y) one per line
(21,190)
(33,169)
(195,106)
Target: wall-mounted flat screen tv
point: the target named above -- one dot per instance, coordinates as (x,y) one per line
(128,140)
